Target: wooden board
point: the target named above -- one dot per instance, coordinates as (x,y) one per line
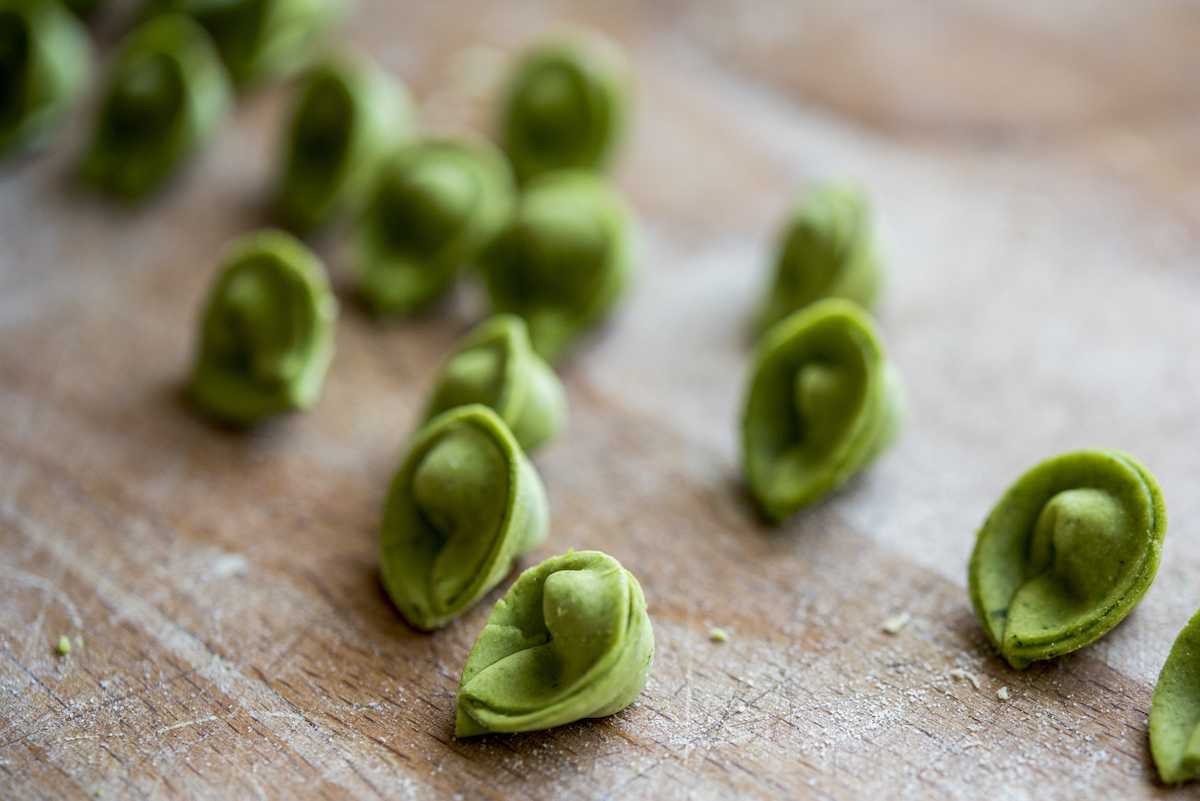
(1034,167)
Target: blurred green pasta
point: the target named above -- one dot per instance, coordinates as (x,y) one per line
(563,260)
(266,334)
(827,250)
(566,105)
(258,39)
(464,504)
(495,365)
(1066,553)
(349,117)
(570,640)
(44,60)
(824,402)
(82,8)
(167,94)
(436,203)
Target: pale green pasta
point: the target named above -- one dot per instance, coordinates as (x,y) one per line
(570,640)
(44,58)
(824,402)
(465,502)
(350,115)
(495,365)
(827,250)
(563,260)
(1175,709)
(435,204)
(258,39)
(1066,553)
(167,94)
(266,335)
(566,105)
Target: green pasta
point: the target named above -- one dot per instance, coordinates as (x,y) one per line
(570,640)
(823,403)
(167,94)
(563,260)
(464,504)
(44,58)
(1175,709)
(258,39)
(349,117)
(1066,553)
(266,335)
(435,205)
(82,8)
(827,250)
(566,105)
(495,365)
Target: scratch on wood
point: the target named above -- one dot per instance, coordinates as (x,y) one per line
(174,726)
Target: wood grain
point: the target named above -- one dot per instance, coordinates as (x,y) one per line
(1034,170)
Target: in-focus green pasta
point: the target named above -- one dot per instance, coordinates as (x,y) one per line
(44,58)
(823,403)
(266,335)
(464,504)
(1066,553)
(827,250)
(349,117)
(435,205)
(563,260)
(1175,709)
(167,94)
(566,105)
(570,640)
(495,365)
(258,39)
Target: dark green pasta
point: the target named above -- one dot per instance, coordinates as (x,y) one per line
(82,8)
(464,504)
(349,117)
(1066,553)
(266,336)
(563,260)
(435,205)
(167,94)
(570,640)
(823,403)
(566,105)
(827,250)
(44,58)
(258,39)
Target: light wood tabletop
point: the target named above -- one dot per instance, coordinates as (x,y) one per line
(1034,170)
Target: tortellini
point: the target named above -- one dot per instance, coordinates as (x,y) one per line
(563,260)
(464,504)
(1175,709)
(827,250)
(349,118)
(266,336)
(566,106)
(44,58)
(167,94)
(436,203)
(257,39)
(495,365)
(571,639)
(824,402)
(1066,553)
